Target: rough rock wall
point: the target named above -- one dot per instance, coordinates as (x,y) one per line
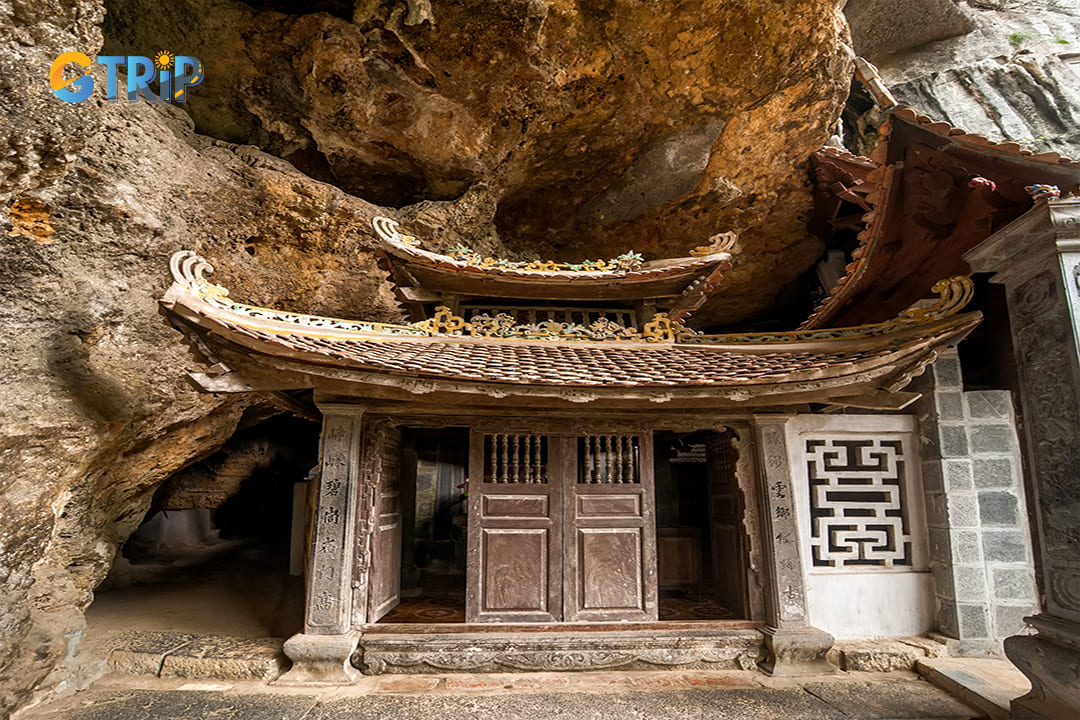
(580,128)
(1015,76)
(94,197)
(96,412)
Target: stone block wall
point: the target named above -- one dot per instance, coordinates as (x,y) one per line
(980,544)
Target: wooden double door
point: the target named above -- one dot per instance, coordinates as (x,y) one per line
(561,528)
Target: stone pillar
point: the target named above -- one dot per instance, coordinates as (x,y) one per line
(1037,258)
(321,655)
(980,547)
(794,647)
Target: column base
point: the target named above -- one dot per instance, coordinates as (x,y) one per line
(796,651)
(1050,662)
(321,659)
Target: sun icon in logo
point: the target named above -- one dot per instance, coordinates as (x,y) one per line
(164,60)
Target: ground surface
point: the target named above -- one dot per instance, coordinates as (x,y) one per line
(533,696)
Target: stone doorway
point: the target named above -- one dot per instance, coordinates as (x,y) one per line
(701,551)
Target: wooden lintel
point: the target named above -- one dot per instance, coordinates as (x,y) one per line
(880,400)
(234,382)
(417,295)
(227,383)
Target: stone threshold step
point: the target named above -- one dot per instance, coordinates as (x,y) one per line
(185,655)
(988,684)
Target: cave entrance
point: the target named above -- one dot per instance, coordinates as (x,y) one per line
(217,553)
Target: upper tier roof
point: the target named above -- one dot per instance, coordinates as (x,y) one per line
(683,282)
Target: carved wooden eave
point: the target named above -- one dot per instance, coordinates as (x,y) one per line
(450,362)
(677,284)
(923,211)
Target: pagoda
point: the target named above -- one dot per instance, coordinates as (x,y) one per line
(613,457)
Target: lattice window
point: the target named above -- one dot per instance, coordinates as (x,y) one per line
(608,460)
(516,459)
(857,513)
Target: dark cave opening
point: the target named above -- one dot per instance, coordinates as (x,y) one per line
(220,550)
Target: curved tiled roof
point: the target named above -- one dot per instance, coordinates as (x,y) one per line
(438,273)
(881,243)
(540,363)
(445,355)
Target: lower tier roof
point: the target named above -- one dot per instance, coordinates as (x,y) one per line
(260,349)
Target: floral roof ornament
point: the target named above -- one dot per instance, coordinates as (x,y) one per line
(627,262)
(1038,192)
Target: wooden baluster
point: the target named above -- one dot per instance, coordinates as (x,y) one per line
(489,443)
(612,468)
(504,449)
(523,459)
(540,459)
(619,460)
(521,466)
(600,459)
(605,450)
(515,444)
(627,450)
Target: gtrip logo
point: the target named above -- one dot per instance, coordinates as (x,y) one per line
(173,74)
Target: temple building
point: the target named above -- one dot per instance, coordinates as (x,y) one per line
(551,468)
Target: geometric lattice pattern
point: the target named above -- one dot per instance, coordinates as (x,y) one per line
(857,515)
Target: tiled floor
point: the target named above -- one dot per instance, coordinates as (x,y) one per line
(559,696)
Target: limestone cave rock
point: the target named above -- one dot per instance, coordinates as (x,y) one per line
(593,127)
(567,129)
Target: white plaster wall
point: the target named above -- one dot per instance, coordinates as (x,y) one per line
(864,603)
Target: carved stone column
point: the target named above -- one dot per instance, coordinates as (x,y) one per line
(1037,258)
(321,654)
(794,647)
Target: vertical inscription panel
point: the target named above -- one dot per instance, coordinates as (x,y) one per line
(329,598)
(786,601)
(610,562)
(515,570)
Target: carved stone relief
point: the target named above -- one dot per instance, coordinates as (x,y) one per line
(1047,354)
(372,464)
(728,649)
(746,478)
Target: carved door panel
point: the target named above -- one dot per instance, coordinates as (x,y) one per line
(385,591)
(609,527)
(514,570)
